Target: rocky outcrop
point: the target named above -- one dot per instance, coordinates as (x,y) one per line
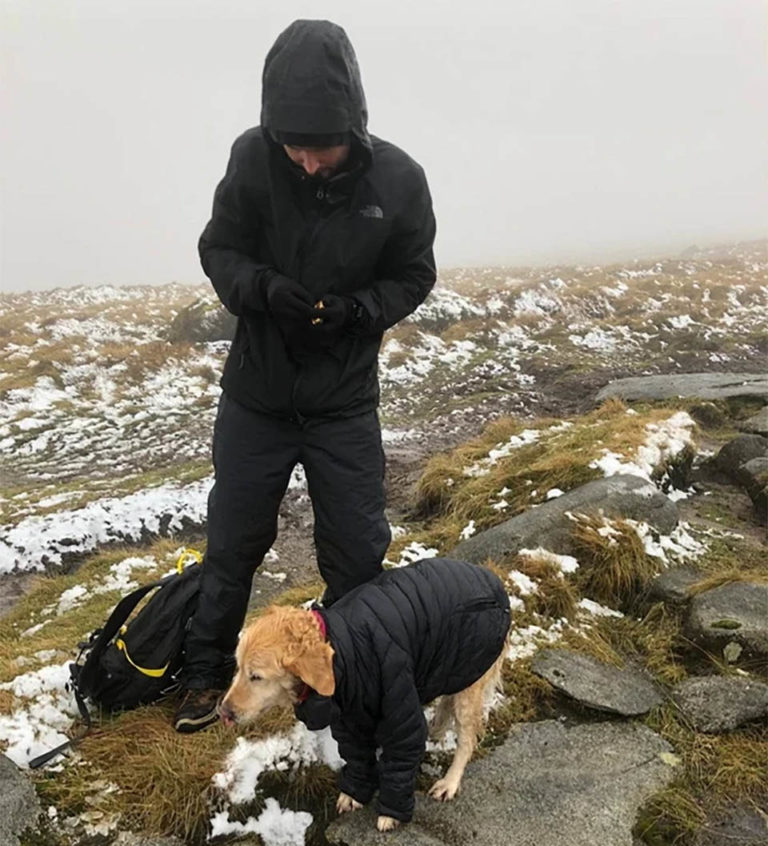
(721,703)
(701,385)
(547,785)
(596,684)
(19,807)
(549,525)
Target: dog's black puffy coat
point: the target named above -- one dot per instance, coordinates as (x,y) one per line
(402,639)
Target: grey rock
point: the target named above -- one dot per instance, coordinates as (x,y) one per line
(19,806)
(672,585)
(739,451)
(205,320)
(547,785)
(736,612)
(549,526)
(126,838)
(701,385)
(721,703)
(596,684)
(757,424)
(741,827)
(753,475)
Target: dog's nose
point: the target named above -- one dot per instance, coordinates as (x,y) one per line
(227,714)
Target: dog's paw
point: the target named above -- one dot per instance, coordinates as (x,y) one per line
(387,823)
(443,790)
(346,803)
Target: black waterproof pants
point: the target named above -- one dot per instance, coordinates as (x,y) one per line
(253,457)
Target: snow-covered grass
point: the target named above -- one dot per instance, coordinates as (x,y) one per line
(511,467)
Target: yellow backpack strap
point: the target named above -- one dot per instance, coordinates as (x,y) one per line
(155,674)
(185,554)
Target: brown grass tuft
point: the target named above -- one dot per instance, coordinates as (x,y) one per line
(613,565)
(555,596)
(728,576)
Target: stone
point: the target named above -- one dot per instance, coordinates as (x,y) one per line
(19,806)
(753,475)
(699,385)
(672,585)
(205,320)
(721,703)
(742,826)
(548,784)
(596,684)
(549,526)
(736,612)
(739,451)
(126,838)
(757,424)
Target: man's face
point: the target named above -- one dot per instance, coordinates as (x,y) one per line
(318,162)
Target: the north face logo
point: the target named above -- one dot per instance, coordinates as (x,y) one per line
(371,211)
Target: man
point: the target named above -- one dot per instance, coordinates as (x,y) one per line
(320,239)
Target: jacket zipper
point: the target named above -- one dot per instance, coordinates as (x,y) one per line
(310,240)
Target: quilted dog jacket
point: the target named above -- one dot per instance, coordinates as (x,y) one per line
(401,640)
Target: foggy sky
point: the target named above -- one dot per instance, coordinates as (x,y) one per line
(549,129)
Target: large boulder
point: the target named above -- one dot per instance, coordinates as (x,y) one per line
(548,784)
(549,526)
(19,806)
(721,703)
(732,620)
(701,385)
(596,684)
(753,475)
(739,451)
(204,320)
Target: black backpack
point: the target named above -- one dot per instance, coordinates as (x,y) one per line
(123,665)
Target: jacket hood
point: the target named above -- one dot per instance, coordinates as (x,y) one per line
(311,83)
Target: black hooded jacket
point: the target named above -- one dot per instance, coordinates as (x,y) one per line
(400,640)
(365,233)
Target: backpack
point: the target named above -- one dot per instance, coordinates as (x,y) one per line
(126,664)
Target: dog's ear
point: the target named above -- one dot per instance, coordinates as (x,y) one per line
(315,668)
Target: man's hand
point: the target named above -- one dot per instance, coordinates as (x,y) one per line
(287,301)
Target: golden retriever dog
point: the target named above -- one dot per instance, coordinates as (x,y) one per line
(288,653)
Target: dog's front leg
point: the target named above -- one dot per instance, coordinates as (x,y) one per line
(387,823)
(346,803)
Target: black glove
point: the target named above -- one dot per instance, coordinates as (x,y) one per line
(333,313)
(287,301)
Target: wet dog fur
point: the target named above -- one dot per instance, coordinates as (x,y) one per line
(284,650)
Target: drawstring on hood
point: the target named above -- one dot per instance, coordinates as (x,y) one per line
(311,85)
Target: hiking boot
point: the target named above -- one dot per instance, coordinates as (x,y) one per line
(197,710)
